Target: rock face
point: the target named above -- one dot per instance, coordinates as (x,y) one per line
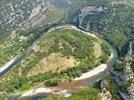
(131,90)
(128,73)
(126,76)
(88,26)
(26,13)
(128,70)
(92,10)
(105,94)
(87,11)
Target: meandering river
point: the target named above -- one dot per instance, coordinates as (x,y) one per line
(73,85)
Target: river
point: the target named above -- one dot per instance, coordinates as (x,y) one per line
(15,61)
(73,84)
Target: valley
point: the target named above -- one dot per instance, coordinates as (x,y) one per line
(66,50)
(33,53)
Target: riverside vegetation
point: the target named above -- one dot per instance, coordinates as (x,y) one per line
(115,25)
(70,45)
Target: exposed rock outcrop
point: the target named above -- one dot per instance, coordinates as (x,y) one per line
(105,94)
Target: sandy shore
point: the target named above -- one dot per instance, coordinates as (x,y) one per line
(32,92)
(86,75)
(93,72)
(37,91)
(96,70)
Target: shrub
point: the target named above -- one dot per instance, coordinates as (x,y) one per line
(52,82)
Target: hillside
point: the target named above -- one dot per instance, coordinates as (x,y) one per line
(20,20)
(61,55)
(19,16)
(50,56)
(112,19)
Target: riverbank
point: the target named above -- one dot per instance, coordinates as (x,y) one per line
(7,65)
(92,72)
(61,88)
(12,63)
(37,91)
(96,71)
(93,75)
